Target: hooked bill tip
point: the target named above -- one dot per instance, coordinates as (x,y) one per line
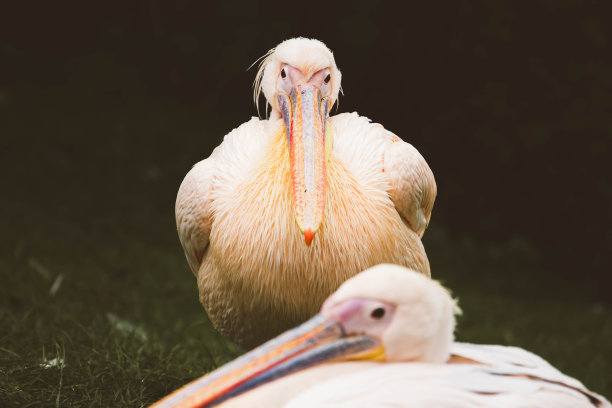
(308,235)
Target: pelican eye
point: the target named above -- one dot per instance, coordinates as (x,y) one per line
(327,78)
(377,313)
(283,73)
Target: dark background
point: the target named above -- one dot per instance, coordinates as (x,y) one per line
(509,102)
(105,107)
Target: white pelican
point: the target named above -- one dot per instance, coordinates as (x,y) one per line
(248,214)
(387,338)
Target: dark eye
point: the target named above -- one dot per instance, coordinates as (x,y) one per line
(377,313)
(327,78)
(283,73)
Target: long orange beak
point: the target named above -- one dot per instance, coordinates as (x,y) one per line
(305,117)
(318,340)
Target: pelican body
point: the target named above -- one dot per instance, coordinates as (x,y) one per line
(288,208)
(385,338)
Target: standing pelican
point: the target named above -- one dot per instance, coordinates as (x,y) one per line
(394,330)
(247,215)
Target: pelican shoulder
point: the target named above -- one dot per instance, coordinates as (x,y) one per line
(387,162)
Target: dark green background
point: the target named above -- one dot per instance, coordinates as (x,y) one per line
(104,108)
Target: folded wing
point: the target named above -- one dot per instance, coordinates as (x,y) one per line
(193,211)
(413,187)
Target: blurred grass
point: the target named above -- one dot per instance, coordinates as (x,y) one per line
(508,298)
(93,275)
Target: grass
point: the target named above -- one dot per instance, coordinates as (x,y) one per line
(125,328)
(97,304)
(119,331)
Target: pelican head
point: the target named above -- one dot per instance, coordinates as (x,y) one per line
(385,313)
(412,316)
(301,82)
(308,60)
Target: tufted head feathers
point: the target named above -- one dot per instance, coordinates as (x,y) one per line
(307,55)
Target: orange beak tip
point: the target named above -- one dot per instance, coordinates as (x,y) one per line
(308,236)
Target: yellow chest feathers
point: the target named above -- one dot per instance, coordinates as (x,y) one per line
(256,239)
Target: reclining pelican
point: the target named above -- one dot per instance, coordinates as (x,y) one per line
(387,338)
(284,201)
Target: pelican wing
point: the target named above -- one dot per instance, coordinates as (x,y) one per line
(516,362)
(417,385)
(380,159)
(213,182)
(193,211)
(413,187)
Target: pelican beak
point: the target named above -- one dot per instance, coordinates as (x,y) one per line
(319,340)
(305,115)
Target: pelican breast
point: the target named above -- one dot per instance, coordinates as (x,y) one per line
(257,275)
